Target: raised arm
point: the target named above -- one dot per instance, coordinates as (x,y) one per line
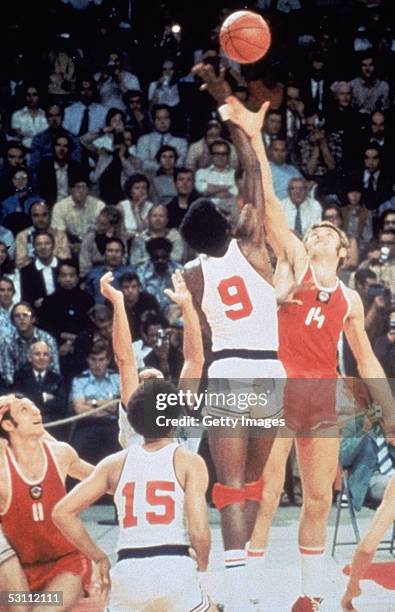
(121,339)
(283,241)
(193,344)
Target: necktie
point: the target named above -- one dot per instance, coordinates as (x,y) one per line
(84,122)
(384,460)
(40,383)
(371,183)
(298,222)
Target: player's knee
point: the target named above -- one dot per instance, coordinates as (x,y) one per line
(317,505)
(225,495)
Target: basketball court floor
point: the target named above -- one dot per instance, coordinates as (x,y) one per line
(281,584)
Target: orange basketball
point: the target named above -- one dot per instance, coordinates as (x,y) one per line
(245,37)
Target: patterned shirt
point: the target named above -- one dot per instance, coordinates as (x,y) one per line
(15,352)
(370,96)
(155,284)
(89,387)
(67,216)
(334,141)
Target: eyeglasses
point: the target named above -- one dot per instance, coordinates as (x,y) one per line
(220,153)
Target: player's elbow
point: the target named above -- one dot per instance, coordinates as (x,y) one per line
(59,515)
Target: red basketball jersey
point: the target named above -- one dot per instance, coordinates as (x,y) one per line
(27,520)
(309,333)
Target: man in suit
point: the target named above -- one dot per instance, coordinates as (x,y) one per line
(315,89)
(44,387)
(54,173)
(42,144)
(377,184)
(38,279)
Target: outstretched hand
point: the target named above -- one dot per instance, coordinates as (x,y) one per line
(251,123)
(181,294)
(215,84)
(107,290)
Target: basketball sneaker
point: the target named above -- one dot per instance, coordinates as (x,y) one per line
(307,604)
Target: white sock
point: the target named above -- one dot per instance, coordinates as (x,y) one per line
(312,570)
(255,570)
(235,578)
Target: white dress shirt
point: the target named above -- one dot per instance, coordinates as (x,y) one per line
(74,113)
(47,274)
(310,212)
(213,176)
(149,144)
(62,181)
(28,125)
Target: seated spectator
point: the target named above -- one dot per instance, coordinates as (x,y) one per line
(86,115)
(272,127)
(165,89)
(43,144)
(370,461)
(136,207)
(315,84)
(16,348)
(218,180)
(358,220)
(384,348)
(377,185)
(30,120)
(150,325)
(148,145)
(62,69)
(54,174)
(113,82)
(7,292)
(343,120)
(40,216)
(76,215)
(155,274)
(95,437)
(64,313)
(7,268)
(377,134)
(44,387)
(38,278)
(335,215)
(157,228)
(301,210)
(370,94)
(282,172)
(15,157)
(162,182)
(137,117)
(14,213)
(114,161)
(137,302)
(186,194)
(387,221)
(320,154)
(100,329)
(114,257)
(165,356)
(109,224)
(294,116)
(7,238)
(199,155)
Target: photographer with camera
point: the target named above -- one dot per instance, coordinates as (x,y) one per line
(381,258)
(113,82)
(377,300)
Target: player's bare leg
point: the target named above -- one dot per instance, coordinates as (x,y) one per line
(318,461)
(230,456)
(12,578)
(273,481)
(71,587)
(259,451)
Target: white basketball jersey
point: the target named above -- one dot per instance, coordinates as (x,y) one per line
(240,306)
(149,500)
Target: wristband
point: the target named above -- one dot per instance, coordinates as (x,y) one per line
(223,111)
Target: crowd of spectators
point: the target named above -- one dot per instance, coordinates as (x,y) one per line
(106,140)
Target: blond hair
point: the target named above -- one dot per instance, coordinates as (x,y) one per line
(344,242)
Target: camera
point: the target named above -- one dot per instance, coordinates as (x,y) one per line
(384,254)
(162,338)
